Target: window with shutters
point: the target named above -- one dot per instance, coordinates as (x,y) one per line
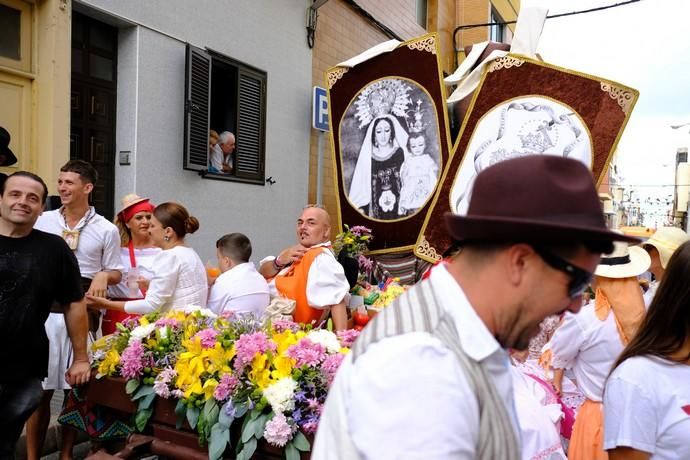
(222,95)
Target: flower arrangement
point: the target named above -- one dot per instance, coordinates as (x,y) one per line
(354,242)
(270,378)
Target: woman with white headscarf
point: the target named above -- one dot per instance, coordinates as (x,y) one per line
(375,187)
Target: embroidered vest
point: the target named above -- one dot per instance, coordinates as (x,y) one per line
(419,311)
(293,285)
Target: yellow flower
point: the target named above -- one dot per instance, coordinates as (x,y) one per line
(109,364)
(282,367)
(260,374)
(209,387)
(143,321)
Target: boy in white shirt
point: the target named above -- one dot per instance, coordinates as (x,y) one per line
(240,288)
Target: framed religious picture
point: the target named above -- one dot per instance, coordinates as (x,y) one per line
(390,140)
(525,107)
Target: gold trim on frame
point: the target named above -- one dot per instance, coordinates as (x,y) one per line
(427,44)
(335,75)
(623,97)
(426,251)
(505,62)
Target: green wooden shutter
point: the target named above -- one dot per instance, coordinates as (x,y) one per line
(197,109)
(251,121)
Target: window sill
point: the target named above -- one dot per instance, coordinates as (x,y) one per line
(230,178)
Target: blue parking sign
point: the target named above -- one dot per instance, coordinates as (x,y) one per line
(320,109)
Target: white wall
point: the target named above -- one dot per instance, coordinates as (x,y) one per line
(266,34)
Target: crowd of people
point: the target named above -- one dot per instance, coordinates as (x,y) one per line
(491,356)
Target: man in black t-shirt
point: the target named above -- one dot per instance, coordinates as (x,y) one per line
(37,269)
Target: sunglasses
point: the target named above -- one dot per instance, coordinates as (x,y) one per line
(579,278)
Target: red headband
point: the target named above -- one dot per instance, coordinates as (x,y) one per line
(127,213)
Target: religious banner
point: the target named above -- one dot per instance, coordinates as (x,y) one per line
(389,139)
(526,107)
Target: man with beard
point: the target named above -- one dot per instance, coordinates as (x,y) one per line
(429,377)
(36,270)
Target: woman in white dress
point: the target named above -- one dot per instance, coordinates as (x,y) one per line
(179,279)
(647,396)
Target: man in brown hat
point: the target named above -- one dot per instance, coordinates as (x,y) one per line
(429,376)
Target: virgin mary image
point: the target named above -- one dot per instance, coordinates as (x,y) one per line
(376,183)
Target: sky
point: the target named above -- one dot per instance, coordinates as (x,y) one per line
(646,46)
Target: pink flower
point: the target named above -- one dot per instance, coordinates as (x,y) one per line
(283,325)
(249,345)
(365,263)
(360,230)
(227,385)
(208,337)
(330,366)
(172,322)
(347,337)
(307,353)
(131,362)
(278,432)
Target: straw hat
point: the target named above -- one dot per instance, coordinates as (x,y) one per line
(624,262)
(666,240)
(130,200)
(534,198)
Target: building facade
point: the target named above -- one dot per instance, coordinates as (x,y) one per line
(134,87)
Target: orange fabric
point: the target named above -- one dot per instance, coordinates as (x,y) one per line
(587,440)
(624,297)
(545,359)
(293,285)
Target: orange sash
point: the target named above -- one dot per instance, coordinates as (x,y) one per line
(293,285)
(587,441)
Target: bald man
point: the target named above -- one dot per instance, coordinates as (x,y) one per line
(309,273)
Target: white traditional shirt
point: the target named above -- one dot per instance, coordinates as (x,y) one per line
(241,289)
(647,407)
(407,395)
(179,281)
(144,258)
(589,347)
(326,282)
(98,247)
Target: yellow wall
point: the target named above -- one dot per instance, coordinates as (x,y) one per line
(35,90)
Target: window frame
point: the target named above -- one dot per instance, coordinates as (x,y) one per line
(24,63)
(247,75)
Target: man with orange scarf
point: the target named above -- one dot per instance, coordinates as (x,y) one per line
(309,273)
(589,342)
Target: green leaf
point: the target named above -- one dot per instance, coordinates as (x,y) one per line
(210,404)
(291,452)
(212,418)
(146,401)
(241,409)
(329,325)
(300,442)
(143,390)
(141,419)
(260,425)
(131,386)
(220,438)
(247,450)
(192,416)
(255,413)
(223,418)
(248,430)
(180,411)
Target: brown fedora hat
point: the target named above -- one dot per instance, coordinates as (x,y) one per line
(537,198)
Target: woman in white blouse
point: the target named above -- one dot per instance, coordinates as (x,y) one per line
(647,397)
(179,278)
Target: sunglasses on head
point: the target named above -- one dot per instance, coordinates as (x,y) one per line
(579,278)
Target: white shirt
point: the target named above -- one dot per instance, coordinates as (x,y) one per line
(179,281)
(407,396)
(99,240)
(218,158)
(326,282)
(647,407)
(589,347)
(651,292)
(241,289)
(144,259)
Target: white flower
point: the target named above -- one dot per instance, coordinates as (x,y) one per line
(280,394)
(163,332)
(141,332)
(326,338)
